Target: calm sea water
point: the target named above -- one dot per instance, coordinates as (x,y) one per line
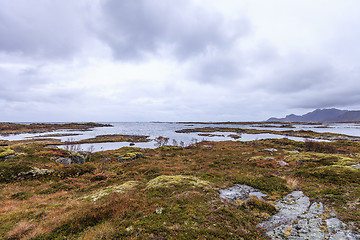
(154,130)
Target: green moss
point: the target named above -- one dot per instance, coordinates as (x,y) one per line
(345,161)
(111,189)
(165,181)
(271,185)
(74,170)
(255,158)
(170,148)
(6,151)
(10,172)
(336,174)
(131,156)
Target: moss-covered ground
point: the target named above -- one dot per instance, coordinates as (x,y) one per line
(170,192)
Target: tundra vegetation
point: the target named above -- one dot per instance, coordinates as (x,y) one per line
(171,192)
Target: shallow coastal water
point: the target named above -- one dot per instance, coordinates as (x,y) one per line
(167,129)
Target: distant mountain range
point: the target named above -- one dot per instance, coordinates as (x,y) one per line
(321,115)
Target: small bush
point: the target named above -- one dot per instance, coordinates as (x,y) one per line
(259,204)
(10,172)
(20,196)
(320,147)
(74,170)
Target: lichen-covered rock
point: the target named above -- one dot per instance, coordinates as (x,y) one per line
(35,172)
(111,189)
(289,208)
(73,159)
(298,219)
(165,181)
(241,192)
(63,160)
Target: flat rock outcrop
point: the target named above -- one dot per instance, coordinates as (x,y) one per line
(241,192)
(297,218)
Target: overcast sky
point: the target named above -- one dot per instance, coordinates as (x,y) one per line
(183,60)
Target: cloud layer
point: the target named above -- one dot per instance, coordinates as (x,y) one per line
(110,60)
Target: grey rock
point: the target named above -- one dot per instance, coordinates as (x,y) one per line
(294,151)
(283,163)
(297,219)
(73,159)
(63,160)
(345,235)
(334,225)
(35,172)
(315,210)
(290,207)
(270,150)
(9,157)
(332,215)
(241,192)
(78,159)
(356,166)
(208,146)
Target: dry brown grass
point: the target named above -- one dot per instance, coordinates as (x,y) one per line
(64,213)
(291,182)
(20,230)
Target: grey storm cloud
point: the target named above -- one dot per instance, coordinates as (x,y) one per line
(136,28)
(51,29)
(28,86)
(299,78)
(216,70)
